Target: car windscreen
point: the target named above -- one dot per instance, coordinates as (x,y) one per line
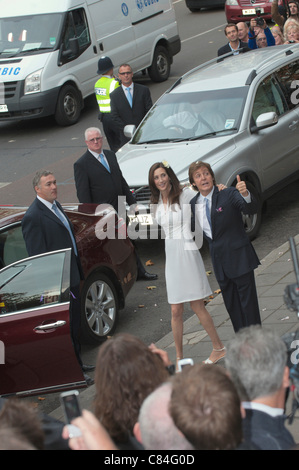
(192,116)
(27,34)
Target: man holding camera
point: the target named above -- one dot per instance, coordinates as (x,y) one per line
(260,34)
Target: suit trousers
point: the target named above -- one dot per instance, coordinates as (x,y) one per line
(110,131)
(240,299)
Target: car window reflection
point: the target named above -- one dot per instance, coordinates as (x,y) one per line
(32,283)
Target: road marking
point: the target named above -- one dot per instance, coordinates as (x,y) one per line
(4,184)
(201,34)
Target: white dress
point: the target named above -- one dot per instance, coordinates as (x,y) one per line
(185,273)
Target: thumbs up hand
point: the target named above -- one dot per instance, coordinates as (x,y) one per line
(241,187)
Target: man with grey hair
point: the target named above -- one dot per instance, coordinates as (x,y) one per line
(155,428)
(256,360)
(99,180)
(46,228)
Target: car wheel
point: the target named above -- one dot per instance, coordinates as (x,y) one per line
(160,69)
(68,106)
(252,223)
(99,308)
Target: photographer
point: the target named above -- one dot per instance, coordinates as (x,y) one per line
(260,34)
(281,13)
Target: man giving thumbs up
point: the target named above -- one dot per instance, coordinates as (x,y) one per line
(234,259)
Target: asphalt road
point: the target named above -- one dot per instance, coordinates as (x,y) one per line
(28,146)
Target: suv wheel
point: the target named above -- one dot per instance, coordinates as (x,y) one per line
(252,223)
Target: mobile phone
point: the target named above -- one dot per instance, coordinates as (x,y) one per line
(70,404)
(72,409)
(184,362)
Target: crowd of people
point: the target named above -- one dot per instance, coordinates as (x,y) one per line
(142,402)
(243,36)
(139,405)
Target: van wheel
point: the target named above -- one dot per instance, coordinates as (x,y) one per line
(68,106)
(160,69)
(99,307)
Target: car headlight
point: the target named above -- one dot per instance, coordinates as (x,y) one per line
(33,82)
(231,2)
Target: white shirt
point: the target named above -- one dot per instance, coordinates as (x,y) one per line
(47,203)
(250,405)
(49,206)
(201,212)
(131,87)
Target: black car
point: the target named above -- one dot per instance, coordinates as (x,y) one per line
(195,5)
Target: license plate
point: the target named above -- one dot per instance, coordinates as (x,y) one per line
(142,219)
(3,108)
(251,11)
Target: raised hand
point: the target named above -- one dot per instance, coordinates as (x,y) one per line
(241,187)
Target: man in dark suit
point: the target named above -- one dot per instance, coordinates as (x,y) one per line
(256,360)
(129,103)
(234,45)
(46,228)
(99,180)
(219,213)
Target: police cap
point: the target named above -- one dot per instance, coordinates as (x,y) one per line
(104,64)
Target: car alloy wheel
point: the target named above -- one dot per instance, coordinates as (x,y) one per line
(99,308)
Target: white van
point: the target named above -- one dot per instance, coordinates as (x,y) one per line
(49,50)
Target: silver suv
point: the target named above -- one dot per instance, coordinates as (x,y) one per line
(238,113)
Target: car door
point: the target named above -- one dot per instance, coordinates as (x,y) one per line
(35,326)
(279,144)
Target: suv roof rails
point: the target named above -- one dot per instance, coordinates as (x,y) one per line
(253,73)
(251,76)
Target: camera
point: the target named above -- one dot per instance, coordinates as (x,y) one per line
(259,20)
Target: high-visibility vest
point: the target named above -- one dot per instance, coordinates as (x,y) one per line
(103,87)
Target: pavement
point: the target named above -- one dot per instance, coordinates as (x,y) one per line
(272,276)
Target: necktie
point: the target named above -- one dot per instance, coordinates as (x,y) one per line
(66,224)
(208,213)
(103,161)
(129,96)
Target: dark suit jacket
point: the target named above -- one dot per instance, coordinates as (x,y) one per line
(43,232)
(95,184)
(267,432)
(231,250)
(225,49)
(122,113)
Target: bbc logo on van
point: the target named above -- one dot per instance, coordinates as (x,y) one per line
(145,3)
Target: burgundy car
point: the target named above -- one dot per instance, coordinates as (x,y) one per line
(244,10)
(36,353)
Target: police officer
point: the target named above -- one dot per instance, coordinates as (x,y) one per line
(103,87)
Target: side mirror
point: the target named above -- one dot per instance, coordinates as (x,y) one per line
(265,120)
(69,54)
(129,131)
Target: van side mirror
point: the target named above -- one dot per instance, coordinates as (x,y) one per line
(69,54)
(129,130)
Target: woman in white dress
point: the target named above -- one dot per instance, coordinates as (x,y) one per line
(186,279)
